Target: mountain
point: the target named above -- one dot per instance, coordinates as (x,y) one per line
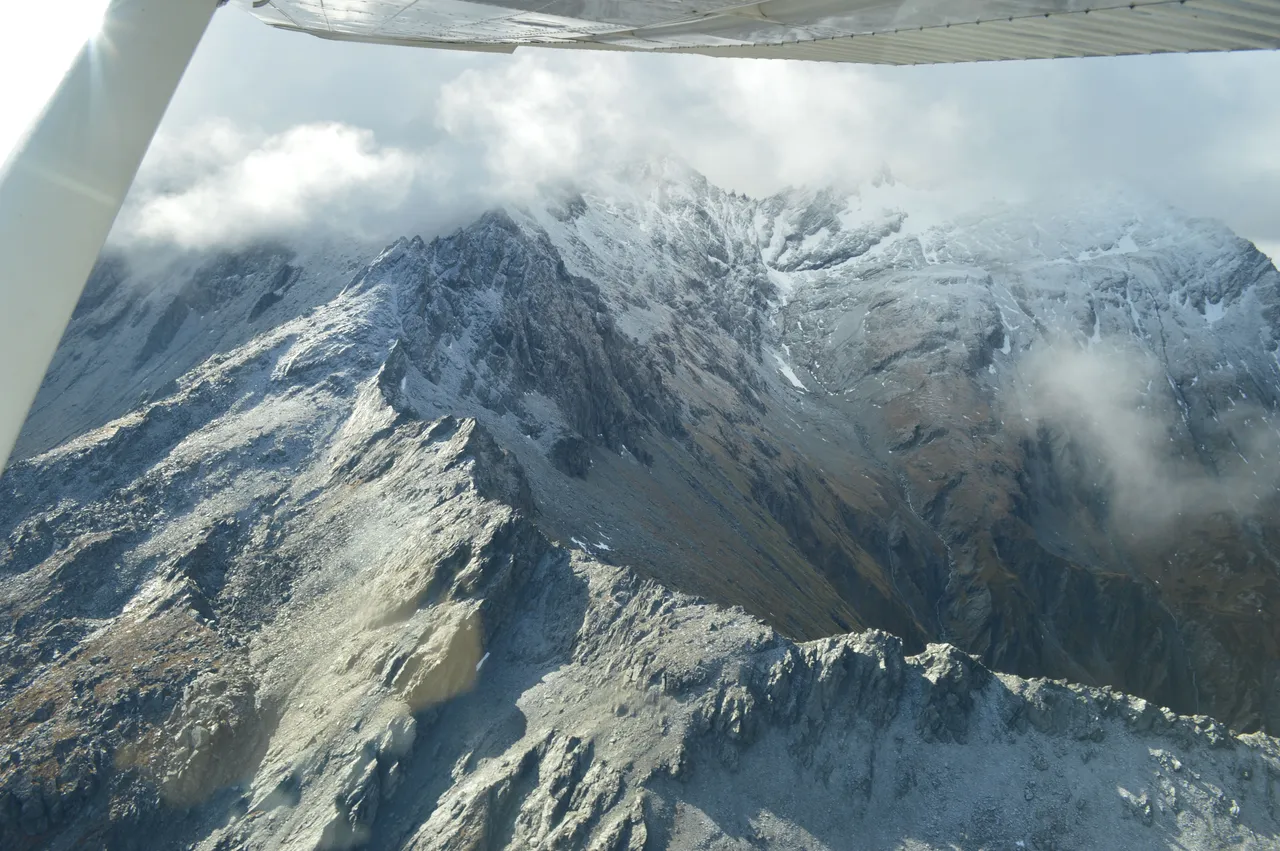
(322,545)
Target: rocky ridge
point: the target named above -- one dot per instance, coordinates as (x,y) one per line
(261,546)
(465,683)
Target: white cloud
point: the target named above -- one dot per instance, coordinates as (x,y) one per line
(216,185)
(768,124)
(459,132)
(500,129)
(750,125)
(530,122)
(1095,396)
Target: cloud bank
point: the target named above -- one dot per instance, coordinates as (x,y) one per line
(217,185)
(275,132)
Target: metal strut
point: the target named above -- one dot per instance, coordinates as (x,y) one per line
(64,185)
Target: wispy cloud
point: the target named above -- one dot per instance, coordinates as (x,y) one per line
(216,185)
(1131,443)
(458,132)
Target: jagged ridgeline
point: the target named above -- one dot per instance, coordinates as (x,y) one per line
(333,546)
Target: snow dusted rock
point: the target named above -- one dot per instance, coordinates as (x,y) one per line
(332,547)
(463,683)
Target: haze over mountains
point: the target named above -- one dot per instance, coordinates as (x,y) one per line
(330,544)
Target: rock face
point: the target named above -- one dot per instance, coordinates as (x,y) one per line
(326,547)
(439,675)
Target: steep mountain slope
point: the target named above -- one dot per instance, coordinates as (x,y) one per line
(385,652)
(831,393)
(249,521)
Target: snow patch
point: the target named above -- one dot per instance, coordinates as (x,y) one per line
(784,283)
(785,369)
(815,240)
(1124,245)
(1214,312)
(1133,313)
(923,209)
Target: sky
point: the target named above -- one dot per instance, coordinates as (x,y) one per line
(274,133)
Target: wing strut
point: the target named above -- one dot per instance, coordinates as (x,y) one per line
(63,186)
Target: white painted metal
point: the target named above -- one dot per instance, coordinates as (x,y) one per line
(64,185)
(892,32)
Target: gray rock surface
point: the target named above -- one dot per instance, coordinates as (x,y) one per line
(464,683)
(337,547)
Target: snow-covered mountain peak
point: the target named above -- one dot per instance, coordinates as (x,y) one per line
(837,409)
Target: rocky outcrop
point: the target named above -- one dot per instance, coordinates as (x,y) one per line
(902,438)
(377,552)
(503,295)
(465,684)
(847,403)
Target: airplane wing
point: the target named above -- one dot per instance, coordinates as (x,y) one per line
(882,32)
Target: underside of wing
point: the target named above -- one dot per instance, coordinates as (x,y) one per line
(883,32)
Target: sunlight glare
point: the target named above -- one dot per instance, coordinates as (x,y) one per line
(37,49)
(89,14)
